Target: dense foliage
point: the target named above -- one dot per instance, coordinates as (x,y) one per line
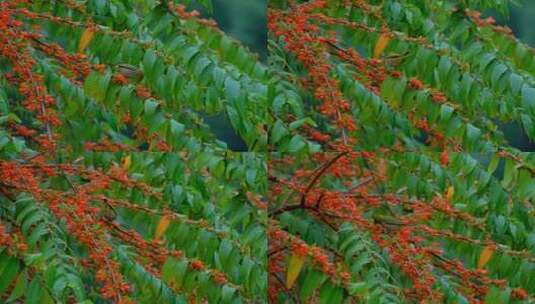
(401,187)
(377,169)
(133,228)
(414,76)
(126,75)
(85,217)
(400,228)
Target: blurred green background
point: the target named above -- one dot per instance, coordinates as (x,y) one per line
(246,21)
(522,21)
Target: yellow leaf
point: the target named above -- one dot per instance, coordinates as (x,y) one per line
(382,42)
(485,256)
(85,39)
(162,226)
(126,162)
(294,268)
(449,194)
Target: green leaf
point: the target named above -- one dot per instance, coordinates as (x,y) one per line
(497,73)
(493,164)
(528,98)
(330,294)
(297,143)
(232,89)
(509,173)
(313,280)
(20,287)
(35,292)
(149,61)
(92,87)
(300,122)
(445,113)
(40,230)
(516,82)
(150,107)
(201,65)
(496,295)
(176,127)
(8,272)
(11,117)
(278,132)
(227,293)
(358,289)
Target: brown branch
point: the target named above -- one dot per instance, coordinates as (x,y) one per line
(275,251)
(361,183)
(291,208)
(320,173)
(288,291)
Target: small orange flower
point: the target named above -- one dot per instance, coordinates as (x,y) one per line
(142,92)
(119,79)
(219,277)
(444,158)
(396,74)
(22,247)
(519,293)
(438,97)
(415,84)
(197,265)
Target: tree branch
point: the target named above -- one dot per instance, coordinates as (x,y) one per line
(320,173)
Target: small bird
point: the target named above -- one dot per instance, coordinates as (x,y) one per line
(395,59)
(129,71)
(387,220)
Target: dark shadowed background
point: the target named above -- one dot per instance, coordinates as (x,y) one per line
(246,21)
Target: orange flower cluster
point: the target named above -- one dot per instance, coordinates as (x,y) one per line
(444,158)
(13,241)
(119,79)
(197,265)
(18,177)
(475,16)
(319,137)
(318,256)
(142,92)
(5,239)
(438,97)
(406,235)
(23,130)
(372,73)
(16,44)
(155,253)
(519,293)
(180,11)
(76,64)
(106,145)
(409,258)
(80,219)
(279,240)
(304,40)
(219,277)
(415,84)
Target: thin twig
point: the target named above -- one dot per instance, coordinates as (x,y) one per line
(320,173)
